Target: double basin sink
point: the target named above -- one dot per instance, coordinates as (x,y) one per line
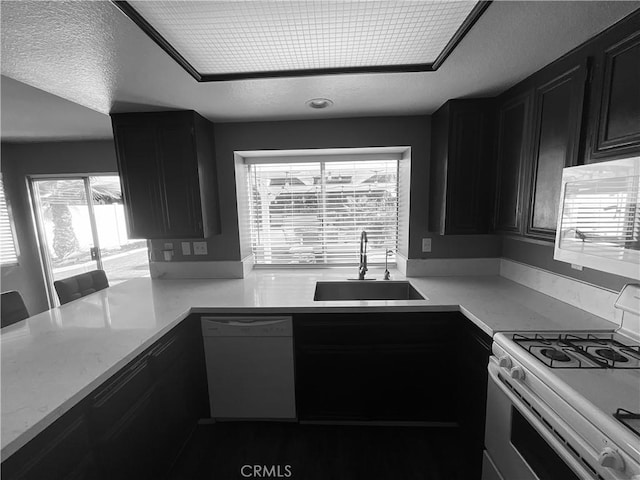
(366,290)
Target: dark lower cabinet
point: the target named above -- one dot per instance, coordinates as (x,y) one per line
(128,448)
(472,395)
(62,451)
(416,367)
(132,426)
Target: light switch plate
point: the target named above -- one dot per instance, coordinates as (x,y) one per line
(426,244)
(186,248)
(199,248)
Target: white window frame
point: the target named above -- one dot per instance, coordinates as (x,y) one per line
(242,158)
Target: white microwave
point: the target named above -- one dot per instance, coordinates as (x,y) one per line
(599,217)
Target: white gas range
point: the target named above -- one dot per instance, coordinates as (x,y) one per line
(566,405)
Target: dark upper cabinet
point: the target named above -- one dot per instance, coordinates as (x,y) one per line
(461,168)
(556,133)
(615,117)
(513,126)
(168,174)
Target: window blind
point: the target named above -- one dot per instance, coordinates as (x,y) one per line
(313,212)
(602,217)
(8,254)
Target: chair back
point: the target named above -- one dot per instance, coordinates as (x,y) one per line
(13,308)
(78,286)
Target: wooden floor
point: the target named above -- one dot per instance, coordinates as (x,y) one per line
(318,452)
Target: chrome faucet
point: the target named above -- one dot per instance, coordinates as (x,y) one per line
(363,256)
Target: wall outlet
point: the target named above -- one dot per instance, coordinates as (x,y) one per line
(186,248)
(167,251)
(199,248)
(426,244)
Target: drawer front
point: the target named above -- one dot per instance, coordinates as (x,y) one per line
(114,400)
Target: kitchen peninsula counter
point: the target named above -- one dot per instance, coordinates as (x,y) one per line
(54,359)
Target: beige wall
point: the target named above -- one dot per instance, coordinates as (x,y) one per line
(17,162)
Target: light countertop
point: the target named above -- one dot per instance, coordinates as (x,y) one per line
(54,359)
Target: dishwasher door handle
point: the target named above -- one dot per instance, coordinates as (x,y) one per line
(243,326)
(236,323)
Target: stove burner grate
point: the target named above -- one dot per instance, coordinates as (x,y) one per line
(568,350)
(555,355)
(611,354)
(628,419)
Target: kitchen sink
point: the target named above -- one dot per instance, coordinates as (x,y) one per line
(365,290)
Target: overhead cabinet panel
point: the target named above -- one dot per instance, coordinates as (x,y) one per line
(168,174)
(558,112)
(139,174)
(513,133)
(461,168)
(618,123)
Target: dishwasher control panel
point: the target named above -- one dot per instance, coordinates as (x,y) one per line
(251,326)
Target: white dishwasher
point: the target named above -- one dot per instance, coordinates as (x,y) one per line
(249,367)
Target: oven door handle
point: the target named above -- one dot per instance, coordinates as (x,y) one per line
(535,422)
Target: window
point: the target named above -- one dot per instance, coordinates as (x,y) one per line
(8,254)
(313,211)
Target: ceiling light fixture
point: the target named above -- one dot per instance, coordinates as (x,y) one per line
(319,103)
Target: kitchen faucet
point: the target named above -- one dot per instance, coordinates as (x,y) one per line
(387,275)
(363,256)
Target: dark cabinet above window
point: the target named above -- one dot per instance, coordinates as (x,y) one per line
(461,168)
(168,173)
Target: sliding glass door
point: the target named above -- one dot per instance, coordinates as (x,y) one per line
(81,227)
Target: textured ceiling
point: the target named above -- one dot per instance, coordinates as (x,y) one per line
(257,36)
(90,53)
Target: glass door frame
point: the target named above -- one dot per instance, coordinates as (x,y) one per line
(45,257)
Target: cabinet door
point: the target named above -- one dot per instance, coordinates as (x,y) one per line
(139,173)
(470,171)
(558,114)
(63,451)
(513,127)
(175,394)
(128,448)
(472,395)
(618,123)
(124,424)
(179,181)
(375,367)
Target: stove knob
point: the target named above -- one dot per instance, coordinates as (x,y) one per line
(505,362)
(610,458)
(517,373)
